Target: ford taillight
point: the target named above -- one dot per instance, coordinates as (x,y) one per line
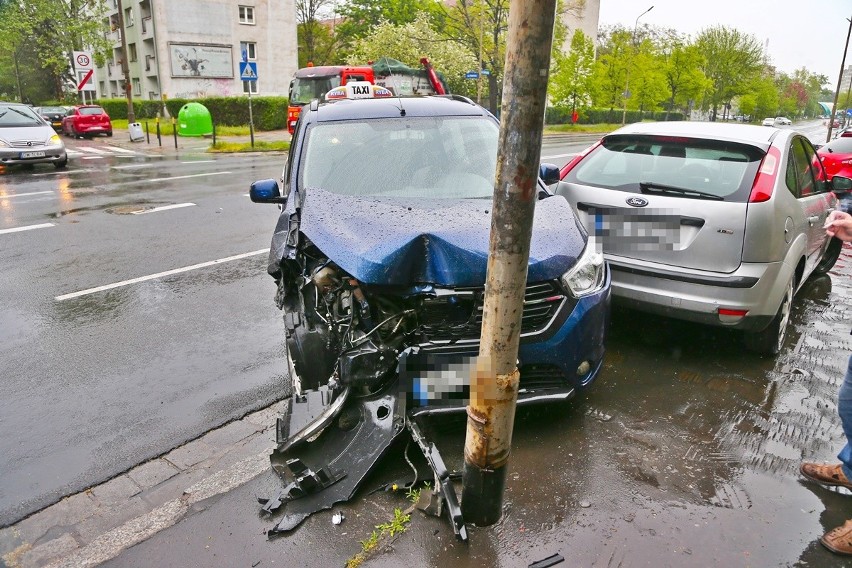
(764,182)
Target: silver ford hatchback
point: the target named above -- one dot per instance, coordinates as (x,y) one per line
(714,223)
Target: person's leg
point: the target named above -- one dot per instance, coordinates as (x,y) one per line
(837,474)
(844,408)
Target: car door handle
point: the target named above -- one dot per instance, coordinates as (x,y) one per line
(813,219)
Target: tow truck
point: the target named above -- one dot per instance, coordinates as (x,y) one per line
(311,82)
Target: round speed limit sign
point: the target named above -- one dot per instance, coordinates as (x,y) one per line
(83,60)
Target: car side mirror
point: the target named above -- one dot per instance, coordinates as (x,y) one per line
(841,184)
(548,173)
(266,191)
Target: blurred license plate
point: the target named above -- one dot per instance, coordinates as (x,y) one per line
(57,124)
(39,154)
(651,229)
(436,379)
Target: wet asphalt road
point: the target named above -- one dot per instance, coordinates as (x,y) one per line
(95,384)
(684,453)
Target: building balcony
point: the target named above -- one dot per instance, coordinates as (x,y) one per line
(147,26)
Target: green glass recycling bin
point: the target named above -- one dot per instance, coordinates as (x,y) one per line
(194,120)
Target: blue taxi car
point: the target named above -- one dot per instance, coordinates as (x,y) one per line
(379,257)
(380,254)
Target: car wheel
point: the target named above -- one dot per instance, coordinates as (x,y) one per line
(770,340)
(832,253)
(109,133)
(60,165)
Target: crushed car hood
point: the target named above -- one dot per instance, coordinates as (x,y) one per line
(403,241)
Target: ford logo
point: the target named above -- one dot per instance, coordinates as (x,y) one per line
(637,202)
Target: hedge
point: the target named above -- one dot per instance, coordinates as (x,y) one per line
(269,113)
(562,115)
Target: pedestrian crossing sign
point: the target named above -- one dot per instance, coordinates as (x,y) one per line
(248,70)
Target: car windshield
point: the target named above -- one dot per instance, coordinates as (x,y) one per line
(428,157)
(46,110)
(309,88)
(13,116)
(695,166)
(91,111)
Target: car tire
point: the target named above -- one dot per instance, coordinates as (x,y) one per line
(769,341)
(60,165)
(832,253)
(109,133)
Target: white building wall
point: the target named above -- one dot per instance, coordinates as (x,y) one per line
(191,48)
(587,20)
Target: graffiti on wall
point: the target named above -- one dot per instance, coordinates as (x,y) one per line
(201,60)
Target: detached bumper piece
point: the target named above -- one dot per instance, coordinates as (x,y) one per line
(335,442)
(327,467)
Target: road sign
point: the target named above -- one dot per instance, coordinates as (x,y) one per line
(248,70)
(486,72)
(82,60)
(84,82)
(471,75)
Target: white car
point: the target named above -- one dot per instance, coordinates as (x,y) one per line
(782,121)
(768,121)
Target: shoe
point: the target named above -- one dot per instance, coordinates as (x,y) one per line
(839,540)
(825,474)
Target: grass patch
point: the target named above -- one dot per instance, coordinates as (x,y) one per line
(384,532)
(259,146)
(167,129)
(587,128)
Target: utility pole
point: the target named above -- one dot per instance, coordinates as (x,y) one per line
(839,79)
(125,66)
(494,386)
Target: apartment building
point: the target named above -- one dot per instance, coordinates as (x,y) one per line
(193,48)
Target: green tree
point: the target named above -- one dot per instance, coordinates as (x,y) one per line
(317,42)
(573,80)
(647,80)
(409,42)
(732,60)
(53,29)
(685,81)
(611,66)
(361,17)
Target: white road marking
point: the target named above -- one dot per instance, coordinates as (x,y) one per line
(120,150)
(158,275)
(90,150)
(558,156)
(60,172)
(27,228)
(92,158)
(181,177)
(199,162)
(24,194)
(163,208)
(133,166)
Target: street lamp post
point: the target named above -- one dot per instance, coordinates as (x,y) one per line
(627,73)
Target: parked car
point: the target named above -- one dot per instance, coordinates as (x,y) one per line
(53,115)
(836,157)
(769,121)
(782,121)
(26,139)
(86,120)
(715,223)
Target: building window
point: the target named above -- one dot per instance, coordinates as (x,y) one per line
(128,17)
(247,15)
(248,50)
(250,85)
(137,87)
(131,48)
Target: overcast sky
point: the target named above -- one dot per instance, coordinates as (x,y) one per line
(801,33)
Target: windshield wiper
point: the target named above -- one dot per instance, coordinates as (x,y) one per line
(652,187)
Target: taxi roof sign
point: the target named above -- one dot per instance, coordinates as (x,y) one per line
(358,90)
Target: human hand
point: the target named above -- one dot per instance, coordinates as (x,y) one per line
(839,224)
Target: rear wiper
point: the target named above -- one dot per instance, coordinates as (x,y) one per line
(652,187)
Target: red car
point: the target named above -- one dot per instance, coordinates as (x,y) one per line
(86,120)
(836,157)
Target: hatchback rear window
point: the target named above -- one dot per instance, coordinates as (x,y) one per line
(719,170)
(91,111)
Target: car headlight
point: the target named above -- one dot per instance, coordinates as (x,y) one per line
(588,275)
(53,140)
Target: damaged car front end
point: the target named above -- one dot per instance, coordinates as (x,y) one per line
(380,257)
